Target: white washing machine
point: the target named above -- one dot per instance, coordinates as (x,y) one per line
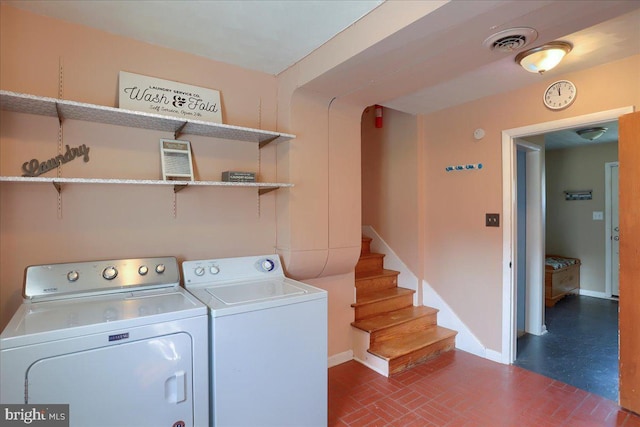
(119,341)
(268,343)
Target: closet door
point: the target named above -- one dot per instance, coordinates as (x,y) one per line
(629,158)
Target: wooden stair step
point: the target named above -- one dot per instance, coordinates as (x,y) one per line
(366,245)
(365,275)
(377,302)
(411,349)
(368,281)
(370,262)
(381,295)
(389,326)
(393,318)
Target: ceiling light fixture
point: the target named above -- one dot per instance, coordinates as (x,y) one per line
(591,134)
(543,58)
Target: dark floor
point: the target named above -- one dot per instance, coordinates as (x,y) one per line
(460,389)
(580,347)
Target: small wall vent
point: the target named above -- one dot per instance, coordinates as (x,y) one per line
(508,41)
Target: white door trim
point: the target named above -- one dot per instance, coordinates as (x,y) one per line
(608,290)
(509,177)
(535,239)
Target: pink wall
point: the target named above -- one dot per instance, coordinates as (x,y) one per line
(97,221)
(463,260)
(390,182)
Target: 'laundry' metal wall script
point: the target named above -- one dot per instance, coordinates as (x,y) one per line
(34,167)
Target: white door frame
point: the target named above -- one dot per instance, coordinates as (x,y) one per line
(509,247)
(608,267)
(535,213)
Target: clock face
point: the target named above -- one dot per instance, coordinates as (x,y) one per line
(559,95)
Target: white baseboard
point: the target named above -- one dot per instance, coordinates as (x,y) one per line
(595,294)
(496,356)
(340,358)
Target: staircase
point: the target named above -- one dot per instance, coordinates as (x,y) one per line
(400,333)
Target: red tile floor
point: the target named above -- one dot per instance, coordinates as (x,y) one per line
(460,389)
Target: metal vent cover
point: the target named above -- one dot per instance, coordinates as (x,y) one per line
(510,40)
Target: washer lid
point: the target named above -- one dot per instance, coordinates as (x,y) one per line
(226,299)
(255,291)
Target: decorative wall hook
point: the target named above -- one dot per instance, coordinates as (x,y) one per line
(463,167)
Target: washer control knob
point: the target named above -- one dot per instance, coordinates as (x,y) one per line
(199,271)
(109,273)
(143,270)
(72,276)
(160,268)
(214,269)
(267,265)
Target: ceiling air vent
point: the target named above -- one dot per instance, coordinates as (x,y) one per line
(510,40)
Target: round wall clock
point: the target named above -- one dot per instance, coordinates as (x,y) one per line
(559,95)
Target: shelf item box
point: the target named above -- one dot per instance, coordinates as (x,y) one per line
(234,176)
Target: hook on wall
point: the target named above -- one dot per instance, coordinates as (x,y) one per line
(468,166)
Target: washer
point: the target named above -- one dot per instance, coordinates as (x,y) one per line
(268,342)
(119,341)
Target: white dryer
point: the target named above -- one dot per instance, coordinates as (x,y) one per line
(268,343)
(119,341)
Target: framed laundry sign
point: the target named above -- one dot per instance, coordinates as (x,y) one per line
(151,95)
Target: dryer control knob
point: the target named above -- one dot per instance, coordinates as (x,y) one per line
(214,269)
(109,273)
(143,270)
(199,271)
(72,276)
(160,268)
(267,265)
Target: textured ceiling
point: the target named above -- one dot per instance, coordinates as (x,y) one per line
(263,35)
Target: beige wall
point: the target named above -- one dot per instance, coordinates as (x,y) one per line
(98,222)
(463,258)
(570,228)
(390,181)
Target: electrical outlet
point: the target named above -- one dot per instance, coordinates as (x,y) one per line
(492,220)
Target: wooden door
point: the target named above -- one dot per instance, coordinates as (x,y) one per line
(629,158)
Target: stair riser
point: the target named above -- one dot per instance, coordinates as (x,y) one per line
(418,324)
(370,264)
(415,358)
(378,307)
(366,247)
(375,284)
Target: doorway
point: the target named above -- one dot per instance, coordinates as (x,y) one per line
(535,223)
(512,149)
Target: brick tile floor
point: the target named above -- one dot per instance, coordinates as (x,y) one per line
(460,389)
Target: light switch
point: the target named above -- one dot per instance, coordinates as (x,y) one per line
(598,216)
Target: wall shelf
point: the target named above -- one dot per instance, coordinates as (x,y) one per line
(31,104)
(62,109)
(263,187)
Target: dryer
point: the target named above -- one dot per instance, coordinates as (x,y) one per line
(268,343)
(119,341)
